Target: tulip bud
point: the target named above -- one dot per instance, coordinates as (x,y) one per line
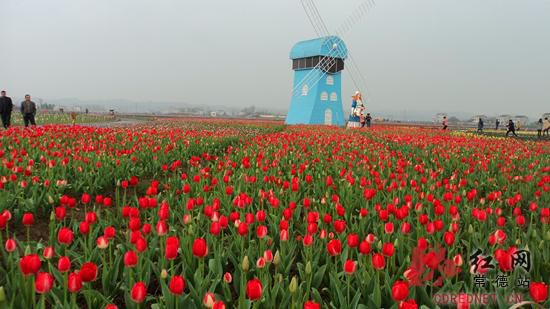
(2,294)
(541,244)
(547,235)
(52,216)
(227,277)
(470,229)
(245,264)
(293,285)
(209,300)
(164,274)
(50,199)
(518,242)
(308,268)
(379,245)
(277,258)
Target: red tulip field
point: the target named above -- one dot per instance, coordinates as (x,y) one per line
(251,214)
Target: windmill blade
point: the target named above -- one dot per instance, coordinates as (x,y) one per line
(311,75)
(321,29)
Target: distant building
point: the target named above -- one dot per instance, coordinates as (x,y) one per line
(504,118)
(523,120)
(475,119)
(439,117)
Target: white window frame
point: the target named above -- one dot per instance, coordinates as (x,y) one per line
(330,80)
(324,96)
(334,97)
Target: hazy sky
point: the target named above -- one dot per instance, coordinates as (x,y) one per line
(486,56)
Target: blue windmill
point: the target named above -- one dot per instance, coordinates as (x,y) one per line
(318,65)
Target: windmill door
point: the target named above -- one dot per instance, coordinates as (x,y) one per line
(328,116)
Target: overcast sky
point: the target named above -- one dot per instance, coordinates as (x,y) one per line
(478,56)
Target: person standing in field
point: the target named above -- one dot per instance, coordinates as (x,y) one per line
(540,127)
(546,125)
(480,125)
(445,123)
(497,123)
(28,109)
(6,106)
(368,119)
(511,128)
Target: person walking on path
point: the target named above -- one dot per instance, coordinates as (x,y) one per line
(28,109)
(540,127)
(368,119)
(497,123)
(6,106)
(546,126)
(480,125)
(445,123)
(511,128)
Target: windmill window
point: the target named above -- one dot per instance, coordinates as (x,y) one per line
(324,96)
(330,80)
(333,97)
(305,90)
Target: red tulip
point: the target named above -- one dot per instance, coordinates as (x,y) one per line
(242,229)
(64,264)
(171,251)
(254,289)
(218,305)
(111,306)
(48,253)
(449,238)
(84,227)
(311,305)
(90,217)
(30,264)
(538,291)
(85,199)
(378,261)
(10,245)
(43,283)
(349,267)
(74,284)
(65,236)
(200,248)
(400,290)
(409,304)
(227,278)
(388,249)
(28,219)
(138,293)
(177,285)
(261,231)
(130,259)
(60,213)
(102,242)
(88,272)
(208,300)
(334,247)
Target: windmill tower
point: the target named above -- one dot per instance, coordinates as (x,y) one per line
(318,65)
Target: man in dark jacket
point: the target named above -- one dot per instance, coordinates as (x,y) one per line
(511,128)
(28,109)
(6,106)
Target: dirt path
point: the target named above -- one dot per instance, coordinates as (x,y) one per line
(122,122)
